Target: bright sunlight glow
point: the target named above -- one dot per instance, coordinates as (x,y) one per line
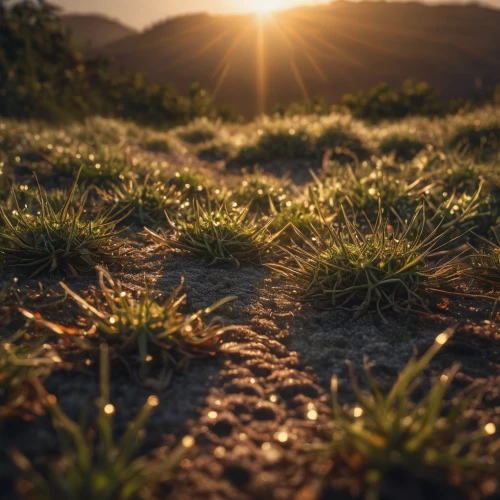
(265,6)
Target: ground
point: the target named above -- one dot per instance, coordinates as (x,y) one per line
(257,410)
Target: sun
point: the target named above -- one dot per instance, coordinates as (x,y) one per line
(263,7)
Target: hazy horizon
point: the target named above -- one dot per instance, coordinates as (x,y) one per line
(141,15)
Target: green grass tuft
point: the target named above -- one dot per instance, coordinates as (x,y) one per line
(150,331)
(262,191)
(403,148)
(383,268)
(427,437)
(95,467)
(223,234)
(481,141)
(199,131)
(58,238)
(486,262)
(22,362)
(147,201)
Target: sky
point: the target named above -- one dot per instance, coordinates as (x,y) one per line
(141,13)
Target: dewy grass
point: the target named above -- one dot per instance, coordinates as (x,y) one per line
(262,192)
(486,262)
(223,234)
(402,147)
(479,140)
(199,131)
(22,362)
(394,190)
(428,437)
(190,181)
(147,201)
(462,211)
(99,165)
(150,331)
(277,143)
(95,467)
(385,179)
(58,238)
(384,269)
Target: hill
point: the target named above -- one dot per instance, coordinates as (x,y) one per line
(95,30)
(251,63)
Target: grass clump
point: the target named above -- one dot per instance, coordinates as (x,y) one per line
(58,238)
(486,262)
(150,331)
(158,145)
(22,362)
(342,143)
(385,268)
(190,181)
(394,184)
(199,131)
(225,234)
(278,143)
(480,140)
(402,147)
(92,465)
(99,165)
(462,212)
(262,191)
(146,201)
(386,102)
(216,150)
(425,436)
(391,184)
(294,215)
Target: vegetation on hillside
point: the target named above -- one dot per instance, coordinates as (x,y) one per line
(72,85)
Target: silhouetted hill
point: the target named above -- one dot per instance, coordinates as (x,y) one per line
(95,30)
(251,63)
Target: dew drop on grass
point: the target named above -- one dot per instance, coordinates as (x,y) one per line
(188,441)
(312,415)
(109,409)
(220,451)
(153,401)
(490,428)
(357,412)
(281,436)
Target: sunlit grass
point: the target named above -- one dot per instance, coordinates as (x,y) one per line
(220,234)
(23,361)
(410,428)
(93,465)
(380,268)
(199,131)
(147,201)
(151,331)
(58,237)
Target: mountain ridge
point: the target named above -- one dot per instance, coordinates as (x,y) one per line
(96,30)
(251,63)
